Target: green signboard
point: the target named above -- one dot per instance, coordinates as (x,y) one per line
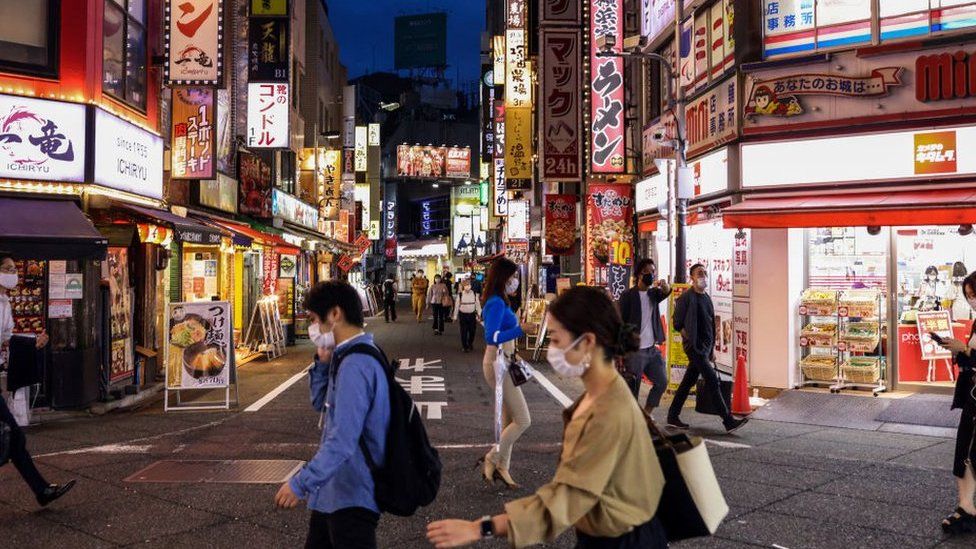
(420,41)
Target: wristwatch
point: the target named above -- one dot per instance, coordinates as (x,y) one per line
(487,527)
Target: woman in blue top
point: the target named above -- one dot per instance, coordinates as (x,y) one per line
(501,330)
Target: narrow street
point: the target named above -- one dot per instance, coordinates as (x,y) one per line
(788,485)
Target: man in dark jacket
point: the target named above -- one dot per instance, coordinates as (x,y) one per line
(694,317)
(389,298)
(640,306)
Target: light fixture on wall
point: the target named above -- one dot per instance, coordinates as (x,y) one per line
(965,229)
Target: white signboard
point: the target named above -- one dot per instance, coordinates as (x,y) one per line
(741,263)
(194,32)
(294,210)
(361,140)
(499,194)
(657,17)
(199,352)
(127,157)
(42,139)
(374,135)
(518,220)
(651,192)
(711,172)
(267,115)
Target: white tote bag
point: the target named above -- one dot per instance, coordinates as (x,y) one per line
(19,404)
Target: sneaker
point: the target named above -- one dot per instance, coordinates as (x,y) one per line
(735,424)
(678,424)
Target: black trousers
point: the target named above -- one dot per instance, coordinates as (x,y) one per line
(389,310)
(18,452)
(699,368)
(440,313)
(650,535)
(468,323)
(351,528)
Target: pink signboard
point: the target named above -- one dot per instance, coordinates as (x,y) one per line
(607,87)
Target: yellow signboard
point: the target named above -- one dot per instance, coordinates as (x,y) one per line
(677,359)
(269,7)
(518,143)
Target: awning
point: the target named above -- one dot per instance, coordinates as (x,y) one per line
(238,238)
(48,229)
(423,248)
(883,209)
(281,245)
(187,230)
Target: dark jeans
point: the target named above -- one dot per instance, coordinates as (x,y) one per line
(389,310)
(18,452)
(650,535)
(351,528)
(440,313)
(469,324)
(703,368)
(648,362)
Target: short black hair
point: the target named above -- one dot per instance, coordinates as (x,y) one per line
(691,271)
(639,268)
(5,255)
(324,296)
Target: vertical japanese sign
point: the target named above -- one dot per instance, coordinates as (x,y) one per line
(269,7)
(498,59)
(609,210)
(499,191)
(194,42)
(360,150)
(192,134)
(741,260)
(270,265)
(560,223)
(225,139)
(121,314)
(560,105)
(373,135)
(560,11)
(390,222)
(518,220)
(518,99)
(607,89)
(200,345)
(254,176)
(268,39)
(331,182)
(518,148)
(267,115)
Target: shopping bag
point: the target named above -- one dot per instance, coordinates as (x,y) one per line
(692,504)
(19,404)
(705,404)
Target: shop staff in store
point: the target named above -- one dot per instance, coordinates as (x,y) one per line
(44,492)
(694,317)
(963,519)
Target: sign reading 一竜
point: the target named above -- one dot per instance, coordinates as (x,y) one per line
(42,139)
(194,42)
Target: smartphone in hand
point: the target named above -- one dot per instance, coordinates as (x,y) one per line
(937,338)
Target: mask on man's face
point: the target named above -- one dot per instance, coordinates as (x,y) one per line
(647,279)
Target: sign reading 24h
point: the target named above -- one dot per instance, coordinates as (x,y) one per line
(607,84)
(41,139)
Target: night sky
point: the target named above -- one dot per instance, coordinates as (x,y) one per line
(364,30)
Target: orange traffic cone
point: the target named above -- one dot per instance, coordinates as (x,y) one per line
(740,388)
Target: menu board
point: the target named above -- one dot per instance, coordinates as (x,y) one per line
(27,299)
(939,323)
(199,348)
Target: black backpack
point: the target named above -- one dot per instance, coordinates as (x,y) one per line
(410,476)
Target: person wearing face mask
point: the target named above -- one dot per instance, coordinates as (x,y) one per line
(439,298)
(501,330)
(44,492)
(930,289)
(958,307)
(694,317)
(608,483)
(354,400)
(467,308)
(963,519)
(640,306)
(419,294)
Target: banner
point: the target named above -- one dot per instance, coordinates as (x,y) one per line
(267,59)
(458,162)
(255,180)
(200,345)
(518,252)
(193,136)
(359,158)
(779,96)
(518,148)
(560,223)
(194,42)
(607,89)
(331,190)
(618,280)
(561,126)
(609,216)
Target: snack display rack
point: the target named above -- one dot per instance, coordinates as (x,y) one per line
(28,299)
(818,337)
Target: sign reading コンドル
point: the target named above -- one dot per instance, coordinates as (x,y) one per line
(127,157)
(267,115)
(42,139)
(194,40)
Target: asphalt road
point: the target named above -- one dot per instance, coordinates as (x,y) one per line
(788,485)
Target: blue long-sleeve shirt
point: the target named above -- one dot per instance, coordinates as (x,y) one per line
(501,324)
(356,404)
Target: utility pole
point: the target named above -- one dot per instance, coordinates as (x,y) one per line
(678,110)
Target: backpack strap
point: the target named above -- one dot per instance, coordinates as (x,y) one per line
(378,354)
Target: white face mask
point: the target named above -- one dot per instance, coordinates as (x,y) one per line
(972,302)
(512,285)
(701,283)
(8,280)
(322,340)
(557,359)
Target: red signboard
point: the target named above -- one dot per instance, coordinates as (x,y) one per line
(560,223)
(345,263)
(609,216)
(561,105)
(362,244)
(271,264)
(607,89)
(433,162)
(255,178)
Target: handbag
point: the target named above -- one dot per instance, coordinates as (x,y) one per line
(705,404)
(446,301)
(518,370)
(692,504)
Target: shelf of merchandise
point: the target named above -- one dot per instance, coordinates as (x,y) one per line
(860,331)
(818,365)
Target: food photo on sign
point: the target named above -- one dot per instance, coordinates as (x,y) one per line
(199,345)
(560,223)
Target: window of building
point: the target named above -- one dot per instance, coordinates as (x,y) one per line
(798,26)
(29,36)
(124,51)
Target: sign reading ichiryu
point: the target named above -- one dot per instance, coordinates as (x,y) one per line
(42,139)
(127,157)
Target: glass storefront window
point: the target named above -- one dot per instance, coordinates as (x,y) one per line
(843,258)
(200,276)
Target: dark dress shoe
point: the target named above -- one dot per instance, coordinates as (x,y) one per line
(53,492)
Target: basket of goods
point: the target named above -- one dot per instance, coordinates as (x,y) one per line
(858,303)
(861,336)
(818,301)
(819,334)
(861,369)
(819,368)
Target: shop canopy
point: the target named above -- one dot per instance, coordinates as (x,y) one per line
(187,230)
(237,237)
(48,229)
(281,245)
(883,209)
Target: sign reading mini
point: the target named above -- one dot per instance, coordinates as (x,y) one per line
(42,139)
(607,87)
(127,157)
(194,39)
(193,136)
(561,105)
(267,115)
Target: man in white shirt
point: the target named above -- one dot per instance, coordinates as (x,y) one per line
(640,306)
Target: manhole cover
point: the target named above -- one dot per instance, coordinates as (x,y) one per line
(243,471)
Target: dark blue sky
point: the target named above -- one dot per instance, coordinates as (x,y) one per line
(364,29)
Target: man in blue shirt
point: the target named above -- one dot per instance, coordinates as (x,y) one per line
(336,483)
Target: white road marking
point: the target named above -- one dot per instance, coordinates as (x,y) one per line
(140,439)
(553,390)
(115,448)
(277,391)
(491,444)
(727,444)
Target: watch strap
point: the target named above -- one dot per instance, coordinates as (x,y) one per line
(487,527)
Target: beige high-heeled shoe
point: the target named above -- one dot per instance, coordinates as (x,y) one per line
(488,467)
(502,475)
